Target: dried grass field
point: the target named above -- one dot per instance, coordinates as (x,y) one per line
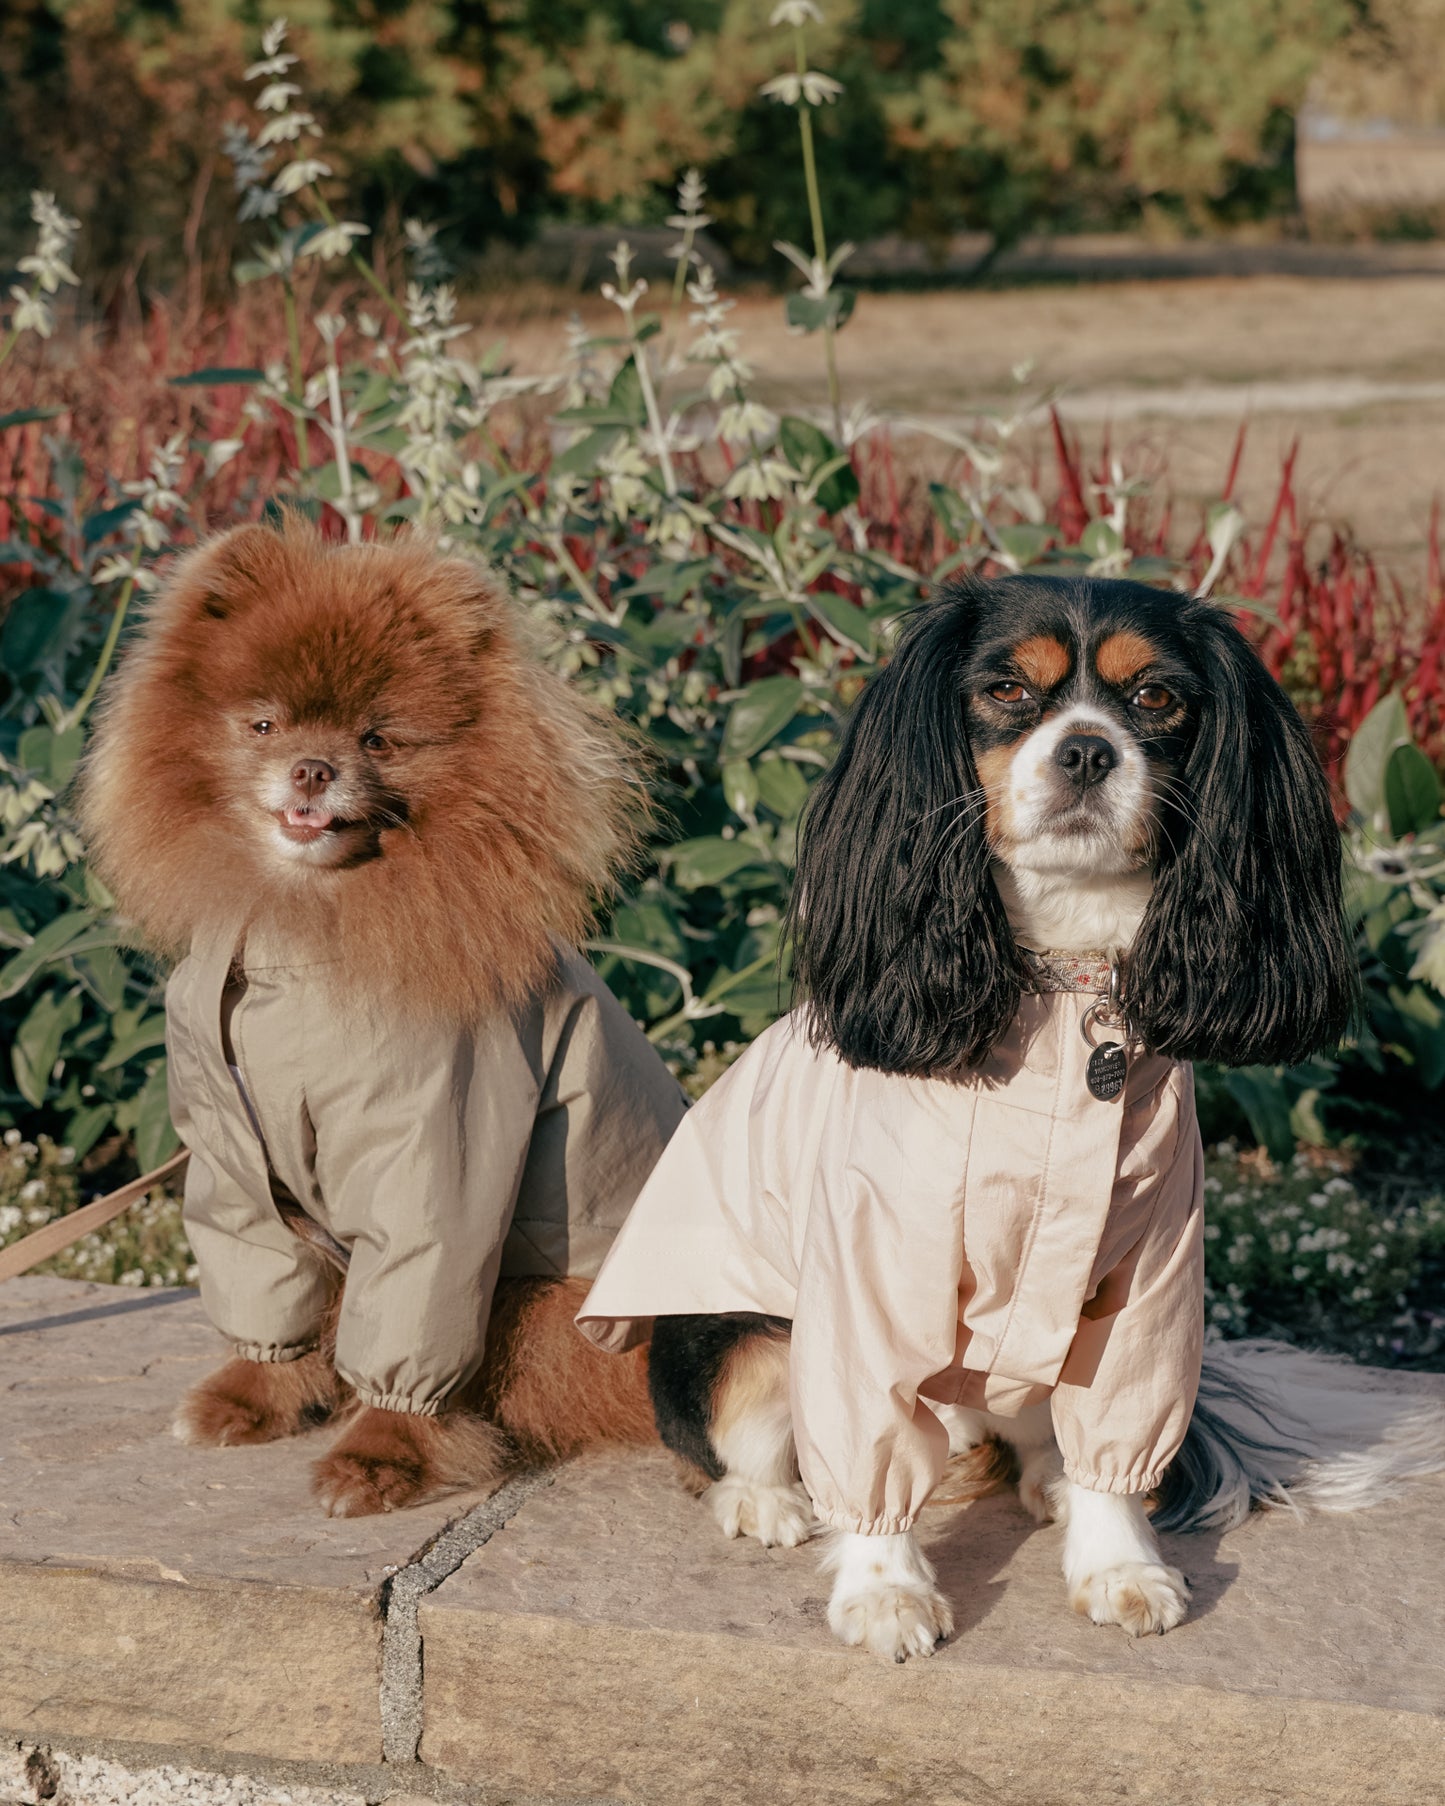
(1167,370)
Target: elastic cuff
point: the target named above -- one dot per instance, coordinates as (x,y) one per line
(1116,1483)
(843,1520)
(397,1401)
(274,1353)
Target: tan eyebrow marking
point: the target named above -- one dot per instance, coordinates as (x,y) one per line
(1043,660)
(1124,655)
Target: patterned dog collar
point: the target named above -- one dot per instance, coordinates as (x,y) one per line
(1069,971)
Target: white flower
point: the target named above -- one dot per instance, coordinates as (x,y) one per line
(31,314)
(812,87)
(745,423)
(796,13)
(220,453)
(288,127)
(334,241)
(760,480)
(276,97)
(292,177)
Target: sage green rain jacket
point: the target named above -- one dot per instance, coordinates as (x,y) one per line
(989,1241)
(435,1157)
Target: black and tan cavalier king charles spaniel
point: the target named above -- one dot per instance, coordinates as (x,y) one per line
(1071,765)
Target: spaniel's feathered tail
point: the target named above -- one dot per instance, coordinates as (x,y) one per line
(1277,1426)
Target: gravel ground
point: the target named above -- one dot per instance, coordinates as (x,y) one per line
(29,1777)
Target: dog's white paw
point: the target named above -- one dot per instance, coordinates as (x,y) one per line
(779,1516)
(893,1621)
(1144,1598)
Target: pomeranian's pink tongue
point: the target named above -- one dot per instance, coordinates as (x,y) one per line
(308,815)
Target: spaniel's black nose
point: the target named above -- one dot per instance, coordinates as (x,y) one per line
(1086,758)
(311,776)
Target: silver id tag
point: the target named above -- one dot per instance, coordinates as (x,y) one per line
(1106,1071)
(1108,1063)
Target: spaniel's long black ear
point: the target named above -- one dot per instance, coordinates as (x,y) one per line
(1243,956)
(900,939)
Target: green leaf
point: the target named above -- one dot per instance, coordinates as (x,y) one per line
(1377,736)
(740,787)
(105,975)
(48,945)
(217,376)
(762,711)
(86,1127)
(155,1139)
(146,1035)
(1100,539)
(1262,1094)
(1429,964)
(65,751)
(708,860)
(39,628)
(807,313)
(844,620)
(783,787)
(808,448)
(1422,1029)
(105,521)
(1412,791)
(23,416)
(1025,541)
(624,398)
(36,1046)
(583,457)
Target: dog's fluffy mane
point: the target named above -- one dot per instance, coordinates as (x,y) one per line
(527,809)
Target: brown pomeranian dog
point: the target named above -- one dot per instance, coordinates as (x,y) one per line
(338,790)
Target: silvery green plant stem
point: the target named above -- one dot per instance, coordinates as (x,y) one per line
(815,214)
(362,267)
(107,653)
(654,413)
(293,334)
(341,451)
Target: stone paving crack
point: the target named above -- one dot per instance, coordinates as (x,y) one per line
(401,1650)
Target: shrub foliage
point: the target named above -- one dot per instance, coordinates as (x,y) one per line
(725,578)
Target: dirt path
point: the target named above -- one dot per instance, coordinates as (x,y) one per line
(1355,367)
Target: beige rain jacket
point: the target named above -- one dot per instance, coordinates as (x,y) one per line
(982,1242)
(436,1157)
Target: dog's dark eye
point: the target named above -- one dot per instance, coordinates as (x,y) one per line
(1009,693)
(374,742)
(1153,697)
(263,727)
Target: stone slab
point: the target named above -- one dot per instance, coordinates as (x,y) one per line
(165,1594)
(609,1640)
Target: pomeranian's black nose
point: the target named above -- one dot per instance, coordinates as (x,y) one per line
(311,776)
(1086,758)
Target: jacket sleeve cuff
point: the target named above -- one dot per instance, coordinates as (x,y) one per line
(275,1352)
(397,1401)
(1143,1480)
(838,1519)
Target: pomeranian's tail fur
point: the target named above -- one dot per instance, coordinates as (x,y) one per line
(1278,1426)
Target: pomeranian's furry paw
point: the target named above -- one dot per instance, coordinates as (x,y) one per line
(1144,1598)
(259,1401)
(775,1515)
(386,1460)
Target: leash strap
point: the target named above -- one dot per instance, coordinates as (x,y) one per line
(55,1237)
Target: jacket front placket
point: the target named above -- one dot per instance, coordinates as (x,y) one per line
(235,1144)
(1075,1190)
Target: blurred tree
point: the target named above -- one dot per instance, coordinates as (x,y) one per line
(491,115)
